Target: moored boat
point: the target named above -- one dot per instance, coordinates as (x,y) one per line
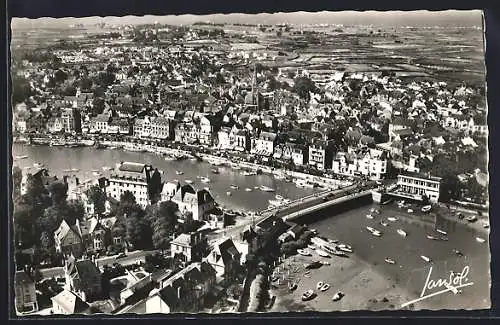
(480,240)
(324,287)
(205,180)
(292,286)
(339,295)
(322,253)
(393,219)
(266,189)
(425,258)
(248,189)
(426,208)
(389,260)
(179,172)
(401,232)
(319,285)
(248,173)
(369,216)
(383,223)
(471,218)
(304,252)
(308,295)
(441,231)
(234,187)
(410,210)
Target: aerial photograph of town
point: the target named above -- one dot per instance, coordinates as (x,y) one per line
(242,163)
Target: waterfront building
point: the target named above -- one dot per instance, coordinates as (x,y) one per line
(83,278)
(224,139)
(356,162)
(194,204)
(241,140)
(264,144)
(68,303)
(182,292)
(299,154)
(206,131)
(55,125)
(189,247)
(100,124)
(140,179)
(25,298)
(68,239)
(71,120)
(419,185)
(225,259)
(160,128)
(320,154)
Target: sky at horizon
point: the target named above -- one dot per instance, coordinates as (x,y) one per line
(421,18)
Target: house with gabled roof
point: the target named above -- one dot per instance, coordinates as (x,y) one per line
(68,239)
(195,202)
(25,298)
(68,303)
(83,278)
(225,259)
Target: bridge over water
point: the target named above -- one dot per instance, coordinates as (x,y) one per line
(315,202)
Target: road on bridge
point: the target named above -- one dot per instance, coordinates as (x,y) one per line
(294,206)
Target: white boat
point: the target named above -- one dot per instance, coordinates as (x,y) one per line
(377,233)
(236,167)
(425,258)
(324,287)
(319,285)
(279,197)
(38,165)
(370,229)
(322,253)
(248,173)
(275,203)
(480,240)
(410,211)
(234,187)
(441,231)
(390,260)
(369,216)
(402,232)
(308,295)
(229,193)
(304,252)
(205,180)
(248,189)
(179,172)
(432,237)
(169,158)
(393,219)
(106,168)
(383,223)
(311,246)
(20,157)
(471,218)
(338,296)
(426,208)
(344,249)
(266,189)
(188,181)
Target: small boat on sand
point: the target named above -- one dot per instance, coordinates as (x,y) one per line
(308,295)
(292,286)
(370,229)
(304,252)
(266,189)
(432,237)
(319,285)
(390,261)
(425,258)
(393,219)
(340,254)
(441,232)
(480,240)
(377,233)
(322,253)
(457,252)
(410,210)
(339,295)
(369,216)
(178,172)
(402,232)
(248,189)
(313,265)
(344,248)
(426,208)
(324,287)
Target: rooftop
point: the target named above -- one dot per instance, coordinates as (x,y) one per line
(421,176)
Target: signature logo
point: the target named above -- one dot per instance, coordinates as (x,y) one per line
(453,283)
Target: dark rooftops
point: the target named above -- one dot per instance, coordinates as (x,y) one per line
(420,175)
(22,278)
(132,167)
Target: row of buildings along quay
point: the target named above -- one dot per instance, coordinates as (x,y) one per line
(280,100)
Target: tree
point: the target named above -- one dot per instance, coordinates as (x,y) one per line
(21,89)
(76,210)
(127,198)
(58,193)
(303,86)
(105,78)
(17,175)
(60,76)
(98,198)
(24,220)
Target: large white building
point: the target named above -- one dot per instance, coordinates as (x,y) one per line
(367,162)
(419,185)
(137,178)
